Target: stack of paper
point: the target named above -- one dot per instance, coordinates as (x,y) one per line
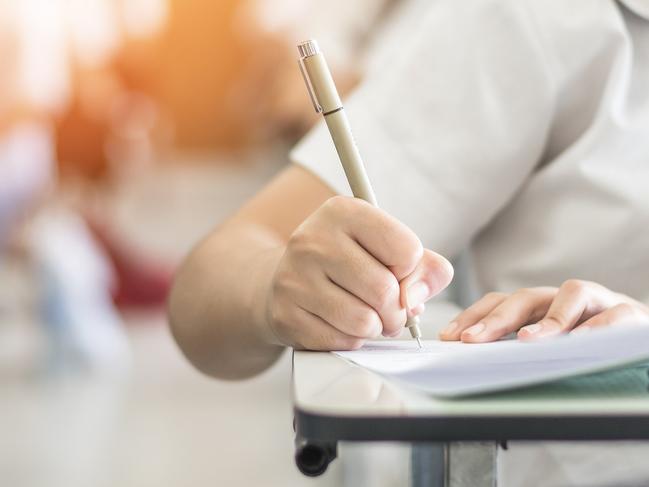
(457,369)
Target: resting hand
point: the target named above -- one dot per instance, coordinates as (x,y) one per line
(544,311)
(350,272)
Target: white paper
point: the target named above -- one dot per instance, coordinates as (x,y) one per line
(456,369)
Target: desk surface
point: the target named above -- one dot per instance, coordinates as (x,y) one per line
(336,400)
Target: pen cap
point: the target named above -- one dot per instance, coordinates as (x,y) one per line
(319,75)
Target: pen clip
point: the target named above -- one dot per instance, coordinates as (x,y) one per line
(309,86)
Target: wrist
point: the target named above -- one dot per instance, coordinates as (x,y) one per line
(267,263)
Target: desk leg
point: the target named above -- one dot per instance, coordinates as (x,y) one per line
(454,465)
(312,458)
(428,465)
(472,464)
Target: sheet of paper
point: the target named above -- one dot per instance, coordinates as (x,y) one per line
(456,369)
(396,356)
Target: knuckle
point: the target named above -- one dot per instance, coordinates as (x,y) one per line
(303,244)
(283,283)
(339,204)
(299,238)
(495,295)
(367,322)
(534,293)
(526,292)
(576,286)
(385,291)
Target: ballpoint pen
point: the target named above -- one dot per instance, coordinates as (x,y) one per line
(323,93)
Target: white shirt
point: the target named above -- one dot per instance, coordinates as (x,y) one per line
(518,129)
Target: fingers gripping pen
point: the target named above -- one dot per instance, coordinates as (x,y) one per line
(324,96)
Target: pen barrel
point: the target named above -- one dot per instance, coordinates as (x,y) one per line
(350,157)
(324,95)
(322,82)
(412,324)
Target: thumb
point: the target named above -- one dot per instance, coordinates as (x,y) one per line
(431,276)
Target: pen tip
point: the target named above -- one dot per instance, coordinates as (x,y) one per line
(419,342)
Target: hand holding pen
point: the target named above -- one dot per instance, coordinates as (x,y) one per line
(324,96)
(350,272)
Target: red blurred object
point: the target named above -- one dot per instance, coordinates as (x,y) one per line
(141,281)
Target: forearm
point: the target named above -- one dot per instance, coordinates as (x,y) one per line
(217,305)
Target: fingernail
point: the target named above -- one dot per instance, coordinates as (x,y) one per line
(416,294)
(532,329)
(450,328)
(418,310)
(541,329)
(475,329)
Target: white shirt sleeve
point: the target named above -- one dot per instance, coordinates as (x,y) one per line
(451,127)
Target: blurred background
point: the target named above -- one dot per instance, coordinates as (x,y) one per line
(128,130)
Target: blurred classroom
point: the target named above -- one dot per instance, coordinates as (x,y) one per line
(129,129)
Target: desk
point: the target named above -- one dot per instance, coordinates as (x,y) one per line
(335,400)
